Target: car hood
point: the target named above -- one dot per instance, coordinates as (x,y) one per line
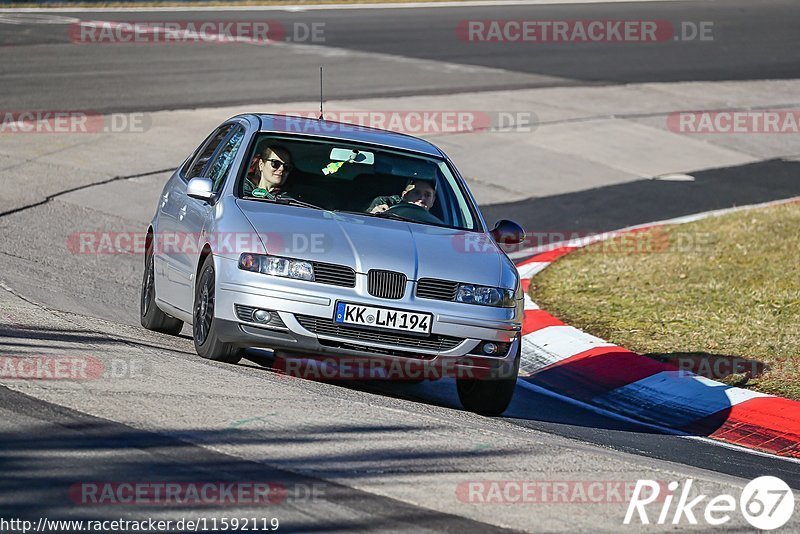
(364,243)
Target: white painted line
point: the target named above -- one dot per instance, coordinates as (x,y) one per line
(577,242)
(596,409)
(529,304)
(168,34)
(324,51)
(565,341)
(679,397)
(323,7)
(553,344)
(733,446)
(22,18)
(426,64)
(535,358)
(529,270)
(658,428)
(677,177)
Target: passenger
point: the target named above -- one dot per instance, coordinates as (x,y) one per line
(274,166)
(419,192)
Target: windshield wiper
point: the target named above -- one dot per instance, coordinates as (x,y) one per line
(389,215)
(288,201)
(294,202)
(392,215)
(382,214)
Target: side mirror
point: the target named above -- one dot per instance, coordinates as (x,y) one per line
(507,232)
(200,188)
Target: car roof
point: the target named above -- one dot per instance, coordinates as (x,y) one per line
(350,132)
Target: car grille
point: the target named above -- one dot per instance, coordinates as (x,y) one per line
(386,284)
(335,275)
(377,350)
(327,327)
(245,313)
(430,288)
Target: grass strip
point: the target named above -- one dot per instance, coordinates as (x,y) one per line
(720,296)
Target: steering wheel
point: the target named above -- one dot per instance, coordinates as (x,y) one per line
(413,211)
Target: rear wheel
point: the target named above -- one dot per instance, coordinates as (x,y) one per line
(206,342)
(490,396)
(151,316)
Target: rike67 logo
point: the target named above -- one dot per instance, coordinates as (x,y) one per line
(766,503)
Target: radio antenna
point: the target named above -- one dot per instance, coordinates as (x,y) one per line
(320,94)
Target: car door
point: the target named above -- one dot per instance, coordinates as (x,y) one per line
(163,256)
(194,215)
(164,252)
(177,229)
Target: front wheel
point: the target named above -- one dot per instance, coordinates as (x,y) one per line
(490,396)
(150,315)
(206,342)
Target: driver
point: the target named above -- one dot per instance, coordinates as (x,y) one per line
(419,192)
(274,166)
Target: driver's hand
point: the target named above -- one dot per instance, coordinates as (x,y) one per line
(380,208)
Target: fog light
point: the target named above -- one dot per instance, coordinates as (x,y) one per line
(493,349)
(262,316)
(490,348)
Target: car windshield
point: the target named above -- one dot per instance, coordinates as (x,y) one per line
(343,176)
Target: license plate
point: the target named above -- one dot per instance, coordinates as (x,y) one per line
(385,318)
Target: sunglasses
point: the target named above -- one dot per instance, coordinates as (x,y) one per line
(277,164)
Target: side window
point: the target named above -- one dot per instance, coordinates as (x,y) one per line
(219,168)
(205,154)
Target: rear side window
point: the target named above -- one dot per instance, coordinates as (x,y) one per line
(222,163)
(199,163)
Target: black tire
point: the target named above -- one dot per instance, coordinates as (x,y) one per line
(151,316)
(489,396)
(206,342)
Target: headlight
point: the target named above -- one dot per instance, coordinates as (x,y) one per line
(485,296)
(275,266)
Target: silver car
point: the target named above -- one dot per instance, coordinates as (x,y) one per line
(311,237)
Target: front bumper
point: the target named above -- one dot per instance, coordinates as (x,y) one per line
(306,311)
(354,362)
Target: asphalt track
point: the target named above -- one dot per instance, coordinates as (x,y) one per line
(40,66)
(169,426)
